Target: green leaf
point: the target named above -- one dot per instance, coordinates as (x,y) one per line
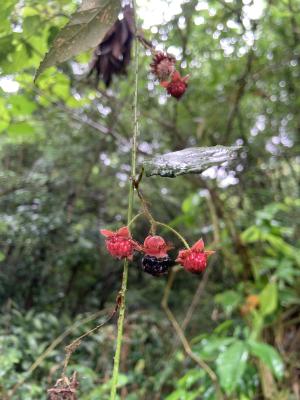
(177,395)
(20,105)
(190,378)
(6,47)
(190,203)
(5,117)
(251,235)
(229,300)
(6,8)
(269,356)
(231,365)
(2,256)
(210,348)
(20,129)
(193,160)
(268,299)
(85,30)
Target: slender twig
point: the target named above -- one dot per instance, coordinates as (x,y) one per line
(134,219)
(186,346)
(175,233)
(76,343)
(147,212)
(196,298)
(115,375)
(51,347)
(202,284)
(242,83)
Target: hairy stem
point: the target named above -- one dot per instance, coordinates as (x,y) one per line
(114,381)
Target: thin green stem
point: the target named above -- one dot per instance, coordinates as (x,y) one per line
(115,375)
(175,233)
(134,219)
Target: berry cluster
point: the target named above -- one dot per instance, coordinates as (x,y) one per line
(163,67)
(156,260)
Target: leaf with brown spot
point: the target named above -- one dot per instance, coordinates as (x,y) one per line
(85,30)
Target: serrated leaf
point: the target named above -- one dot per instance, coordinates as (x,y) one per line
(269,356)
(193,160)
(85,30)
(231,365)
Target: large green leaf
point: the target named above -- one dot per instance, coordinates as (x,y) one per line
(268,299)
(268,355)
(85,30)
(6,7)
(231,365)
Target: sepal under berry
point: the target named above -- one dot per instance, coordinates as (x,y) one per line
(155,246)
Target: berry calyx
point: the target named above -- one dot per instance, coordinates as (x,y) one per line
(155,246)
(177,86)
(120,243)
(163,65)
(194,259)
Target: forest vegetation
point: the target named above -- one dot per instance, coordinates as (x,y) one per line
(231,332)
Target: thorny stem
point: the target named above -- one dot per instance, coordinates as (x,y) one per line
(114,380)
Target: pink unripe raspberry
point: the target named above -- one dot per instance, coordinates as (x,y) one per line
(120,243)
(194,259)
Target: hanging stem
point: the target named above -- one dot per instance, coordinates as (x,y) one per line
(175,233)
(114,380)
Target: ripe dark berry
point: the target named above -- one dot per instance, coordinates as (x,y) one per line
(157,266)
(194,259)
(119,244)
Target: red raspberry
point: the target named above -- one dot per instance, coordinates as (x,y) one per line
(177,86)
(120,243)
(163,65)
(194,259)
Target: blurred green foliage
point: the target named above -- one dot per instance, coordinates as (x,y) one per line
(65,164)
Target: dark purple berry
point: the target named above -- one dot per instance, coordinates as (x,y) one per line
(157,266)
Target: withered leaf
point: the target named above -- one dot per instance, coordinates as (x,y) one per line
(193,160)
(85,30)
